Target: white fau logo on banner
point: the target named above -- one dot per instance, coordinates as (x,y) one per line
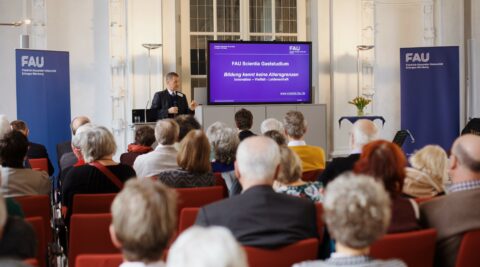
(31,61)
(417,57)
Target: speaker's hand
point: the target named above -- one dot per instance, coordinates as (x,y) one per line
(193,105)
(173,110)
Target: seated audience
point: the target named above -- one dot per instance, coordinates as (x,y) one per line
(428,174)
(244,122)
(164,156)
(143,221)
(386,162)
(206,247)
(259,216)
(357,213)
(271,124)
(194,162)
(65,154)
(224,142)
(186,123)
(144,139)
(313,157)
(35,151)
(100,174)
(289,180)
(457,212)
(17,237)
(363,131)
(277,136)
(15,179)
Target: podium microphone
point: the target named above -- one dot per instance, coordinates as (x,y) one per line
(145,111)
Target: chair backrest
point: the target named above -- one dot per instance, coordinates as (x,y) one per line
(219,181)
(89,234)
(99,260)
(196,197)
(468,255)
(283,257)
(32,262)
(320,223)
(38,205)
(415,248)
(92,203)
(40,164)
(39,228)
(311,176)
(187,218)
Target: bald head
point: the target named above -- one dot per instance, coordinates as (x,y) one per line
(363,131)
(466,150)
(258,158)
(77,122)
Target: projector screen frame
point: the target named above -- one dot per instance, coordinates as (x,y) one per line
(310,89)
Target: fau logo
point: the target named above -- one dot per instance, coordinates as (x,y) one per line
(32,61)
(294,48)
(417,57)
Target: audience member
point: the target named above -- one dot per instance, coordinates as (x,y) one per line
(428,174)
(15,179)
(186,123)
(277,136)
(244,122)
(164,156)
(143,221)
(4,125)
(357,212)
(313,157)
(17,237)
(35,151)
(194,162)
(289,180)
(144,139)
(224,142)
(65,155)
(457,212)
(259,216)
(77,151)
(271,124)
(386,162)
(101,174)
(206,247)
(363,132)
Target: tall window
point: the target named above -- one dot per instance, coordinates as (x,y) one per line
(256,20)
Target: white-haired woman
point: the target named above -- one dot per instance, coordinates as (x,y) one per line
(357,213)
(428,174)
(100,174)
(206,247)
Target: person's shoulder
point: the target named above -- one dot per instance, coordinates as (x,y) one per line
(388,263)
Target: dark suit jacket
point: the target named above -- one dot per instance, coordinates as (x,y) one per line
(337,166)
(162,102)
(260,217)
(63,148)
(244,134)
(38,151)
(451,215)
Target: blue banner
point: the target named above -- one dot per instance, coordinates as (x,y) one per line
(430,88)
(43,96)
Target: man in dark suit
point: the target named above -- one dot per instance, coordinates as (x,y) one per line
(170,102)
(35,151)
(259,216)
(457,212)
(363,132)
(244,122)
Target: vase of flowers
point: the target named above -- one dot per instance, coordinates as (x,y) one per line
(360,102)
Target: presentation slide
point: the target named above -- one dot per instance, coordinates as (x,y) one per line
(259,72)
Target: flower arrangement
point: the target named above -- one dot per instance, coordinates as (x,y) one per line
(360,102)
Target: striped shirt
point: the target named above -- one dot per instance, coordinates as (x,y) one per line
(462,186)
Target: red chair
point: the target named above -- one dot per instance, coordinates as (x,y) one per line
(468,255)
(283,257)
(320,223)
(415,248)
(32,262)
(92,203)
(196,197)
(219,181)
(311,176)
(38,205)
(38,227)
(89,234)
(39,164)
(187,218)
(99,260)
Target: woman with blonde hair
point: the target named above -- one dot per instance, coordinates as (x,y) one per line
(194,161)
(428,174)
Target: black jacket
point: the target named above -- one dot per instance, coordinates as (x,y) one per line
(38,151)
(337,166)
(162,101)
